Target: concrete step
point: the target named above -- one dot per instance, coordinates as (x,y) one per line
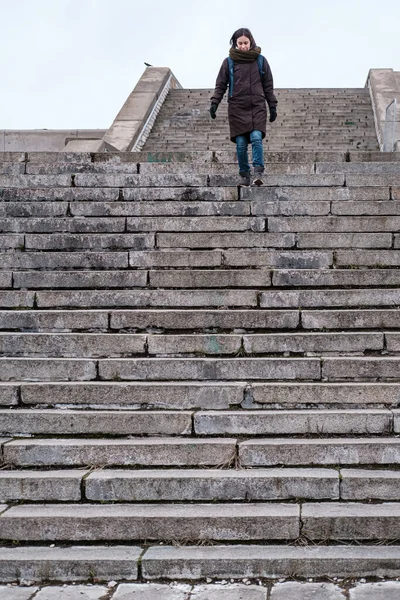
(351,319)
(67,564)
(379,451)
(368,298)
(300,422)
(81,422)
(207,485)
(100,452)
(41,486)
(205,395)
(148,320)
(271,561)
(95,522)
(80,280)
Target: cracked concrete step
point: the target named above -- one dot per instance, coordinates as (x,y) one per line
(207,485)
(258,561)
(320,452)
(133,320)
(350,521)
(41,486)
(74,563)
(140,452)
(166,395)
(105,422)
(294,422)
(92,522)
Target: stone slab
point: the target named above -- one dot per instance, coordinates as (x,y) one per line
(146,298)
(291,208)
(152,452)
(368,258)
(152,591)
(35,181)
(76,522)
(225,240)
(296,259)
(211,344)
(41,486)
(80,280)
(12,241)
(9,394)
(211,485)
(34,209)
(330,298)
(94,241)
(158,369)
(341,394)
(17,593)
(318,194)
(300,343)
(344,240)
(329,451)
(49,194)
(209,279)
(368,367)
(282,422)
(75,563)
(66,225)
(54,320)
(378,207)
(306,591)
(167,208)
(355,520)
(125,181)
(271,562)
(187,194)
(334,224)
(52,421)
(168,395)
(294,180)
(357,484)
(79,592)
(336,277)
(175,258)
(65,260)
(389,179)
(71,345)
(46,369)
(228,592)
(204,319)
(351,319)
(16,300)
(383,590)
(194,224)
(367,168)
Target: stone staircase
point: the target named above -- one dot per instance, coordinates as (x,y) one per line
(308,119)
(199,380)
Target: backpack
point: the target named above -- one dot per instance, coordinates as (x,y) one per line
(260,62)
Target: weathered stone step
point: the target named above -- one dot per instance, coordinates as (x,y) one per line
(351,520)
(206,395)
(303,194)
(143,298)
(67,224)
(334,224)
(80,280)
(167,395)
(225,240)
(211,368)
(167,208)
(209,279)
(68,564)
(41,486)
(296,422)
(369,258)
(351,319)
(211,485)
(335,277)
(92,241)
(78,522)
(195,224)
(107,422)
(145,452)
(284,259)
(358,484)
(369,298)
(319,452)
(65,260)
(142,320)
(248,561)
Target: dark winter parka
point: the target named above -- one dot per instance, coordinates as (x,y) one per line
(247,106)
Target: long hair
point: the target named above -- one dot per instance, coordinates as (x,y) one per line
(247,33)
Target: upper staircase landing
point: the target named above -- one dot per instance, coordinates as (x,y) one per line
(308,119)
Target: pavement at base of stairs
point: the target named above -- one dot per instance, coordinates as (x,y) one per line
(335,589)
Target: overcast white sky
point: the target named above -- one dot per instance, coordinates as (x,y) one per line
(72,63)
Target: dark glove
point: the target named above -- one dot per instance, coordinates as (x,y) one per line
(272,114)
(213,110)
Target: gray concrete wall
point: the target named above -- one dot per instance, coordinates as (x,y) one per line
(44,140)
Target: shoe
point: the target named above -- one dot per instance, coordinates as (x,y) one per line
(258,171)
(244,178)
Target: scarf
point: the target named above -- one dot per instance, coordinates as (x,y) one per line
(244,56)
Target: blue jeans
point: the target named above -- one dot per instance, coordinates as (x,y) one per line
(257,151)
